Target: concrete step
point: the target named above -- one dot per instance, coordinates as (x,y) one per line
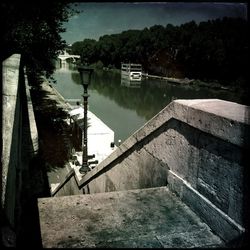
(152,217)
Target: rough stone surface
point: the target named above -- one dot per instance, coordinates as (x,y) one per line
(140,218)
(138,170)
(189,147)
(10,105)
(19,147)
(204,148)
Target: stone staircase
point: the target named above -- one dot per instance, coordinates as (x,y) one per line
(192,148)
(152,217)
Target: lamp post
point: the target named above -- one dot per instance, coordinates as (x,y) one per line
(85,75)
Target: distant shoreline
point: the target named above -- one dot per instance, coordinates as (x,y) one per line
(184,81)
(190,82)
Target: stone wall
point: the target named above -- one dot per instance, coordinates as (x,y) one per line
(19,136)
(195,147)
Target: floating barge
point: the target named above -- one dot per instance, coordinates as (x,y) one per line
(131,71)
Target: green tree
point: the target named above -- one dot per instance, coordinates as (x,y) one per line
(212,50)
(33,30)
(86,49)
(77,47)
(108,49)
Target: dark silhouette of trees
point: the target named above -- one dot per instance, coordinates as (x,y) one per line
(33,30)
(86,49)
(212,50)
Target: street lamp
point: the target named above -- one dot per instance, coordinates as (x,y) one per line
(85,75)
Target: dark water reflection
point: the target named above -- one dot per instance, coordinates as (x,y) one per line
(126,108)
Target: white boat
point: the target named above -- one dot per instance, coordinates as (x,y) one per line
(131,71)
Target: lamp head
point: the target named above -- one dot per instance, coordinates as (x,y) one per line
(85,74)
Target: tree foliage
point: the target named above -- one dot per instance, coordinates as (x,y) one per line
(33,30)
(212,50)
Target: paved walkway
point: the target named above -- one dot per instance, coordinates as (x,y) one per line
(56,140)
(153,218)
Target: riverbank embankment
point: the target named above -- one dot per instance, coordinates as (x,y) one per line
(190,82)
(50,111)
(215,85)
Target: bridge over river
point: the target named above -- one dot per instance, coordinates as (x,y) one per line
(65,55)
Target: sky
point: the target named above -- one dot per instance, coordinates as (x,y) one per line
(100,18)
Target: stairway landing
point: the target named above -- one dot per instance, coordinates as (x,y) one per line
(145,218)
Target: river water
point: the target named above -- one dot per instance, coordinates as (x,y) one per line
(125,108)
